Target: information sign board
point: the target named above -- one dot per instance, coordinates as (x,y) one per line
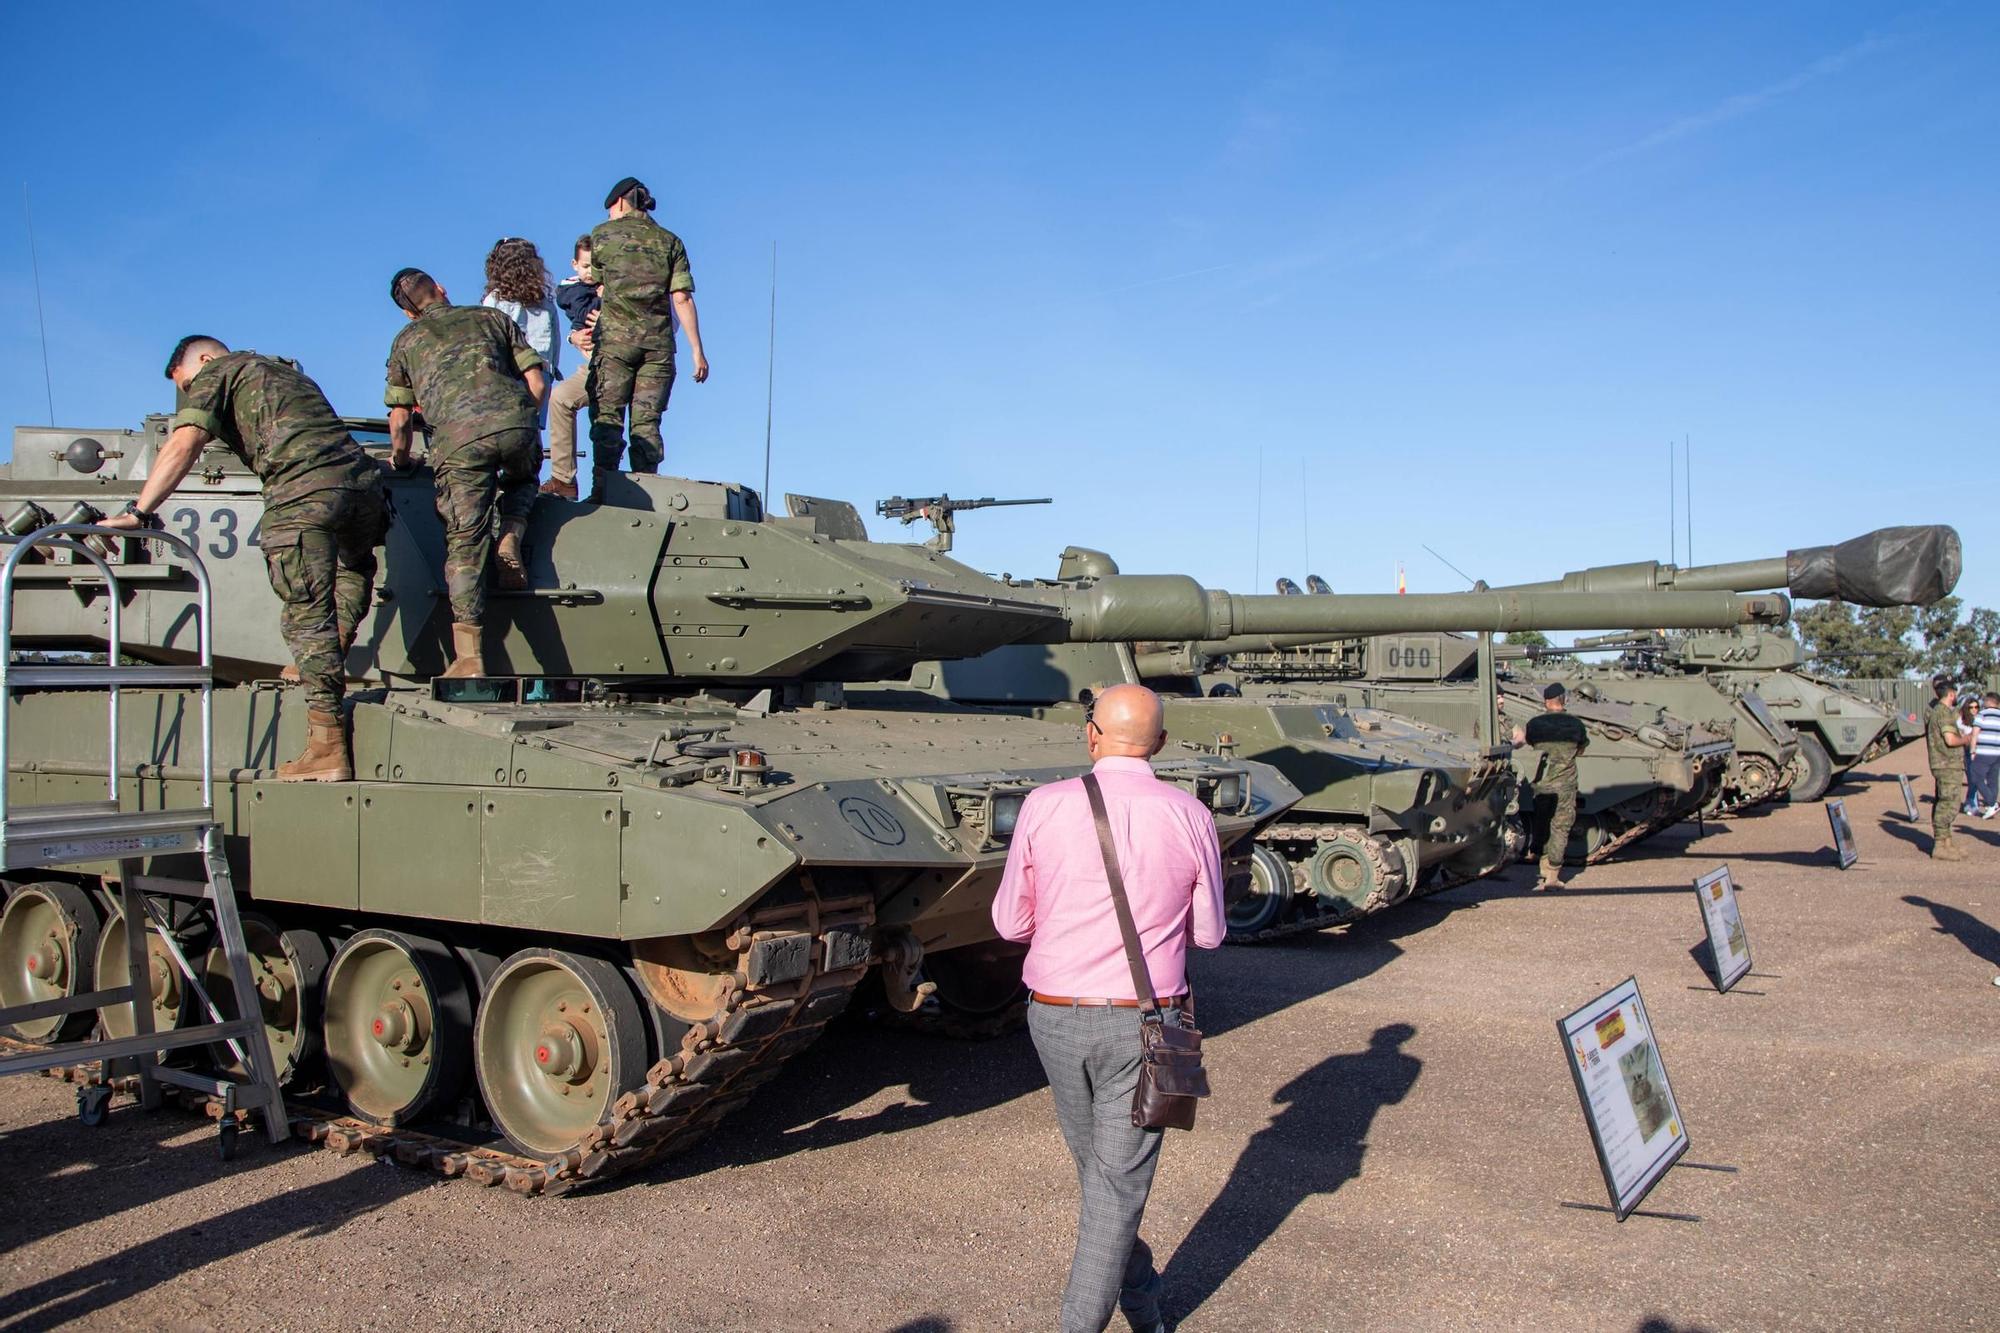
(1635,1124)
(1728,944)
(1909,796)
(1843,833)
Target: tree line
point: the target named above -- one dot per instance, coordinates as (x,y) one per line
(1944,639)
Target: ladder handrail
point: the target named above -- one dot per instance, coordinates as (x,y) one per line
(56,535)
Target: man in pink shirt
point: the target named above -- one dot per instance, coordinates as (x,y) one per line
(1085,1016)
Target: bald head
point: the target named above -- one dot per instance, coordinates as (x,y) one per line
(1126,720)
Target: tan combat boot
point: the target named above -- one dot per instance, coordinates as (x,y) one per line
(507,554)
(326,758)
(1946,849)
(467,658)
(1548,877)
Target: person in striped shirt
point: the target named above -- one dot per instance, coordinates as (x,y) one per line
(1986,757)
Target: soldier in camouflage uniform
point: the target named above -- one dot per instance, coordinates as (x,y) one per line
(479,385)
(1942,736)
(1560,738)
(324,515)
(643,270)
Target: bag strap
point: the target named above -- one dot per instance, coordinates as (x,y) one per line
(1142,984)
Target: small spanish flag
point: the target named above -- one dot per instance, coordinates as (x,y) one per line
(1402,582)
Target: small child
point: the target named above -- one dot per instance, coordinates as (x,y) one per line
(579,298)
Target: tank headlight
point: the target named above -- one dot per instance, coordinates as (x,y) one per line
(1229,792)
(1007,811)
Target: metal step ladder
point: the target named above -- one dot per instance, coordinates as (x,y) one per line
(36,837)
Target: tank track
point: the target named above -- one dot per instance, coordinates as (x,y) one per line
(719,1063)
(1382,898)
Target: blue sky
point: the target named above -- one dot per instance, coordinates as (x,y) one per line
(1454,274)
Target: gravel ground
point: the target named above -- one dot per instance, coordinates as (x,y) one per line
(1392,1140)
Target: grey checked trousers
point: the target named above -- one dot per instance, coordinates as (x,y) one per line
(1091,1055)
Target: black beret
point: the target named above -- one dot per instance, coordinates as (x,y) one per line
(396,284)
(1554,690)
(623,188)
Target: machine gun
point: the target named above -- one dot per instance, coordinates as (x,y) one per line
(938,510)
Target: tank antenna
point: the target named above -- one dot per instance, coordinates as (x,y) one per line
(1687,476)
(35,263)
(1305,515)
(1673,524)
(1469,580)
(770,375)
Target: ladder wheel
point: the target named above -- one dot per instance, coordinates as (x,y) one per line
(398,1025)
(48,951)
(92,1104)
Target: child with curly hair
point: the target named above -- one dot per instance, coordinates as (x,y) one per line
(517,285)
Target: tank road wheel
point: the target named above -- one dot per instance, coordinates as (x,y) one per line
(287,967)
(398,1025)
(1587,839)
(1755,779)
(1815,771)
(48,948)
(1353,874)
(172,996)
(560,1038)
(1265,896)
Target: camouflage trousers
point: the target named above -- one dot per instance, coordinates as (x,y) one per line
(1561,821)
(1950,796)
(637,378)
(474,479)
(319,551)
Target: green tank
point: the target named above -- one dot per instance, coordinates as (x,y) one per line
(1394,805)
(1904,566)
(571,914)
(1644,770)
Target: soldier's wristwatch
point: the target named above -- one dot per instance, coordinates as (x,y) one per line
(147,518)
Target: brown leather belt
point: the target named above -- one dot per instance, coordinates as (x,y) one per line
(1091,1002)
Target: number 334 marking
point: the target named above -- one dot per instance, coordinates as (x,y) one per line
(224,543)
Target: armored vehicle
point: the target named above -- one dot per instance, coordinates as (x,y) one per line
(583,906)
(1393,805)
(1645,768)
(1907,566)
(1836,729)
(1905,700)
(590,902)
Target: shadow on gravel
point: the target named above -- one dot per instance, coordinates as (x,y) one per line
(1656,1323)
(1982,940)
(64,1176)
(930,1323)
(813,1104)
(1313,1146)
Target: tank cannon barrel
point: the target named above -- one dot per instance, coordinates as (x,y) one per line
(1909,566)
(1131,607)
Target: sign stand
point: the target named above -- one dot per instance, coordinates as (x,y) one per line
(1843,834)
(1728,942)
(1621,1082)
(1909,796)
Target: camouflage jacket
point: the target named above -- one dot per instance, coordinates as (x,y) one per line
(1943,722)
(465,366)
(277,421)
(1561,738)
(641,265)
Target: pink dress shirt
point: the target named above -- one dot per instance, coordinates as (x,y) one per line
(1054,893)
